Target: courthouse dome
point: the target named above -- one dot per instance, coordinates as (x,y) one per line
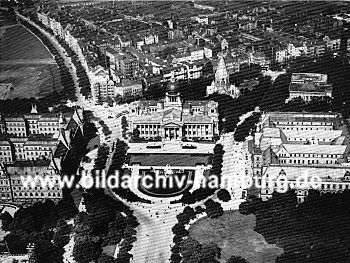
(172,88)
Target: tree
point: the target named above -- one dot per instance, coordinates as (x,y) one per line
(187,198)
(101,159)
(175,258)
(115,233)
(217,160)
(106,131)
(190,248)
(183,219)
(87,249)
(180,230)
(66,208)
(124,123)
(213,209)
(45,251)
(61,237)
(109,101)
(236,259)
(189,212)
(118,99)
(211,252)
(199,209)
(17,242)
(6,220)
(105,259)
(224,195)
(246,127)
(136,134)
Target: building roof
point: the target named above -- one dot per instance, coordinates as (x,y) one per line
(303,116)
(315,149)
(272,132)
(196,118)
(61,150)
(309,82)
(18,165)
(324,171)
(308,134)
(221,70)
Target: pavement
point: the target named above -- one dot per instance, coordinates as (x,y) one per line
(236,164)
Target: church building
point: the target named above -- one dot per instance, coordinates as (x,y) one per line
(221,83)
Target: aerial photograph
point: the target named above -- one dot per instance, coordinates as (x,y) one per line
(190,131)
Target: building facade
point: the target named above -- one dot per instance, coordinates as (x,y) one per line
(15,191)
(40,153)
(296,144)
(309,86)
(128,88)
(173,119)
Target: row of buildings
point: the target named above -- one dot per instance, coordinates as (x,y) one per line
(127,61)
(35,145)
(295,145)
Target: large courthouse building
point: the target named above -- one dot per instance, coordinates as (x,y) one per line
(174,119)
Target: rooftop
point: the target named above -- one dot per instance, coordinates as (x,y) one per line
(315,149)
(37,163)
(303,116)
(309,82)
(324,171)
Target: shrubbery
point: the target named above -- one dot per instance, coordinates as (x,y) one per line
(185,248)
(313,231)
(103,224)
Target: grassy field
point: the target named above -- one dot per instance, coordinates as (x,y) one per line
(30,80)
(19,43)
(33,78)
(234,233)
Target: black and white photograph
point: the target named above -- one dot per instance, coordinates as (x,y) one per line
(190,131)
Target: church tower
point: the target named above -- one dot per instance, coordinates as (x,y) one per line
(222,77)
(221,83)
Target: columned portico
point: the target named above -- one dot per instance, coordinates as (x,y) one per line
(172,133)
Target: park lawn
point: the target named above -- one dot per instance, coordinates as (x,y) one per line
(31,80)
(19,43)
(234,234)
